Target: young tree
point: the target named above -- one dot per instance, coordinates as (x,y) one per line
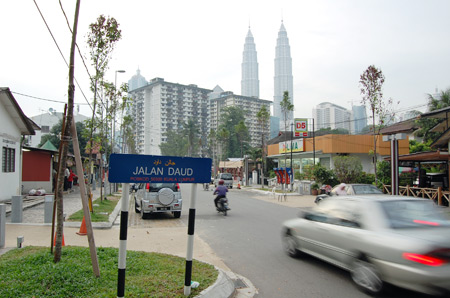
(263,117)
(101,40)
(371,83)
(64,144)
(55,131)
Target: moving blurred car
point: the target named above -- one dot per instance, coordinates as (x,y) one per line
(350,189)
(385,239)
(157,197)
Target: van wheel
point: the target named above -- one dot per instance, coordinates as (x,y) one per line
(177,214)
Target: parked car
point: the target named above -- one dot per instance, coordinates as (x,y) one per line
(350,189)
(158,197)
(382,240)
(227,179)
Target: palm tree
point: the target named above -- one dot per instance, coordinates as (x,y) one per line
(192,132)
(263,117)
(286,107)
(439,103)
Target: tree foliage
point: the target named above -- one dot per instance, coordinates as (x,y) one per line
(185,142)
(347,168)
(55,132)
(230,144)
(371,83)
(425,124)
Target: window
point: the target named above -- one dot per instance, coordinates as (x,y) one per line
(8,160)
(45,129)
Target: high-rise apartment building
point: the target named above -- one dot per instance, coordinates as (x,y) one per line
(250,80)
(329,115)
(250,106)
(359,119)
(162,105)
(283,80)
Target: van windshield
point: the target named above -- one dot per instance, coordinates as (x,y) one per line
(226,176)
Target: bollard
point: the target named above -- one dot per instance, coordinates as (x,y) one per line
(2,224)
(48,208)
(20,240)
(17,209)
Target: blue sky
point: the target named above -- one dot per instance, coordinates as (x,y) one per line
(201,42)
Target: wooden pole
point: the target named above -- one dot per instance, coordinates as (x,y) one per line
(84,201)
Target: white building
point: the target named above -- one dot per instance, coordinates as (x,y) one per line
(162,105)
(14,124)
(250,106)
(46,121)
(250,80)
(328,115)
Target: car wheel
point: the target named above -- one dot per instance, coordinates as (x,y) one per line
(366,277)
(177,214)
(290,245)
(143,215)
(136,209)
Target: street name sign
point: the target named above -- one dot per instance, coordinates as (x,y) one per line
(138,168)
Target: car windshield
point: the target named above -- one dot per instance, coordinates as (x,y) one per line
(413,214)
(366,189)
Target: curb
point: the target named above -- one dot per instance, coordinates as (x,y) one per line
(222,288)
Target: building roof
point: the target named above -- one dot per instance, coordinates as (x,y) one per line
(407,126)
(25,125)
(424,156)
(49,146)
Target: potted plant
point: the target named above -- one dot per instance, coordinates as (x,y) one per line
(314,189)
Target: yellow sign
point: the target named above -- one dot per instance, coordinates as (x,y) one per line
(285,147)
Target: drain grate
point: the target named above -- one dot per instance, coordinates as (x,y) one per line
(239,284)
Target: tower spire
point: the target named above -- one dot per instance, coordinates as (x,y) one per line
(250,80)
(283,80)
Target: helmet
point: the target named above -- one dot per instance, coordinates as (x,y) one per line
(221,182)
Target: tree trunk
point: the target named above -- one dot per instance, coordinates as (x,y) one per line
(64,142)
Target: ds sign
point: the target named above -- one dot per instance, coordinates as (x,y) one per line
(136,168)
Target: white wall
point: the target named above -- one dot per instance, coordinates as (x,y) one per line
(9,137)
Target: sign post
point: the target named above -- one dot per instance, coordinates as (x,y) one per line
(134,168)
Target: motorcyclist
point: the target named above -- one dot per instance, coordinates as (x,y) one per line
(221,192)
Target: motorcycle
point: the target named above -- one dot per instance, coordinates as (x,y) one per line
(222,206)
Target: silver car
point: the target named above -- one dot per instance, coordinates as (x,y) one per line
(385,239)
(153,198)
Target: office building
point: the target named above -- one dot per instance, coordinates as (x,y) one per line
(359,119)
(283,79)
(137,81)
(328,115)
(250,81)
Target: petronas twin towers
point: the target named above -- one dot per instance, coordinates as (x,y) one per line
(283,80)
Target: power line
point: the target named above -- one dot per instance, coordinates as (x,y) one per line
(45,99)
(59,49)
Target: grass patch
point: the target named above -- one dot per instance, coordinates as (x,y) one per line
(31,272)
(101,212)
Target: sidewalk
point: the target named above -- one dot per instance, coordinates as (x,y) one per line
(170,240)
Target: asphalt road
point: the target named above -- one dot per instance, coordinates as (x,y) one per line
(249,242)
